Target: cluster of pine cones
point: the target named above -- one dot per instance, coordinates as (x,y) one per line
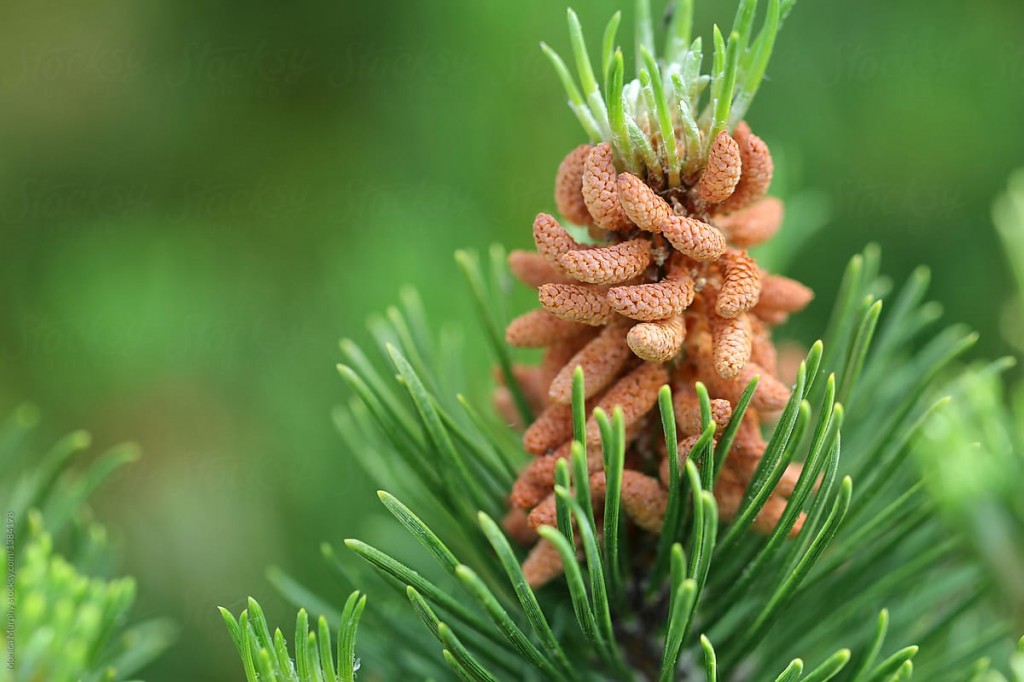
(665,294)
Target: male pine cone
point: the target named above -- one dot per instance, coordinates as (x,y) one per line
(666,295)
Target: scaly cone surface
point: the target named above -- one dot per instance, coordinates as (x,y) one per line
(666,294)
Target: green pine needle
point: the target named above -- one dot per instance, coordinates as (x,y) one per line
(748,593)
(679,31)
(266,658)
(643,129)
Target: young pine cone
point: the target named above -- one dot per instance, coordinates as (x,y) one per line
(666,295)
(720,177)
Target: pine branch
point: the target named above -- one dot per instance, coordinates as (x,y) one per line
(669,581)
(813,595)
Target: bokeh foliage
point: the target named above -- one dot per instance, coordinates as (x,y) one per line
(197,200)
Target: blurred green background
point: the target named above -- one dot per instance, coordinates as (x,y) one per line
(197,200)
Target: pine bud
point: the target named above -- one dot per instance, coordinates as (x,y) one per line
(658,341)
(600,191)
(694,238)
(551,239)
(757,168)
(539,328)
(544,514)
(741,284)
(551,428)
(569,186)
(602,359)
(686,407)
(642,204)
(636,393)
(609,264)
(650,302)
(731,343)
(722,173)
(575,303)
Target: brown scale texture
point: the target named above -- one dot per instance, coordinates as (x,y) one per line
(642,204)
(723,171)
(650,302)
(757,167)
(602,359)
(532,269)
(770,394)
(595,458)
(546,513)
(694,238)
(658,341)
(577,303)
(721,413)
(686,407)
(752,225)
(608,265)
(600,190)
(636,393)
(551,428)
(535,381)
(665,294)
(551,239)
(741,284)
(539,328)
(731,340)
(526,493)
(569,186)
(560,353)
(542,470)
(537,480)
(644,500)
